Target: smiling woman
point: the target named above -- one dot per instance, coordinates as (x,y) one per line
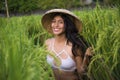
(69,48)
(57,25)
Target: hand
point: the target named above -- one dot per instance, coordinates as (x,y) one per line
(87,57)
(89,52)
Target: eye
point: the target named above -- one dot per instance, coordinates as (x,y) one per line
(53,21)
(61,22)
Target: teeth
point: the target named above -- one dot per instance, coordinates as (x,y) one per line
(56,29)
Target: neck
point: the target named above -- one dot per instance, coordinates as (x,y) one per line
(61,38)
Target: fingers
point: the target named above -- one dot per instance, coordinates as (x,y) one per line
(89,51)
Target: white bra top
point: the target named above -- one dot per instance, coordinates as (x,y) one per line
(67,64)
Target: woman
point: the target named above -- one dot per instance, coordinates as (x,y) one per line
(69,48)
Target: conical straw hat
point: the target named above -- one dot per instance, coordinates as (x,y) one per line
(46,19)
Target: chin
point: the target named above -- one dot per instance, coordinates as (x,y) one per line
(59,34)
(56,33)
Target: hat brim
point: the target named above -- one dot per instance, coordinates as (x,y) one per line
(46,19)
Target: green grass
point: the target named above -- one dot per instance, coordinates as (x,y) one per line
(23,55)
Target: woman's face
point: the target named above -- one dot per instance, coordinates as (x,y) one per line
(57,25)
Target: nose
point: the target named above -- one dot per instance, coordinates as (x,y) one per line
(56,24)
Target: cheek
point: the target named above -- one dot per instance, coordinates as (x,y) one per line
(51,25)
(63,29)
(62,26)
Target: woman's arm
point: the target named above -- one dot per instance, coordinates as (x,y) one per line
(87,57)
(82,63)
(79,65)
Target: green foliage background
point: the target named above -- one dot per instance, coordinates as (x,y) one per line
(30,5)
(23,6)
(23,55)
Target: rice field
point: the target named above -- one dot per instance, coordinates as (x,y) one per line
(23,54)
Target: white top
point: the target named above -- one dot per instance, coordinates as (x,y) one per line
(67,64)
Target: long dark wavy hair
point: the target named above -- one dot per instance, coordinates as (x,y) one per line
(72,34)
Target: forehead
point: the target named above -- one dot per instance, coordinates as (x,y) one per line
(57,14)
(57,17)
